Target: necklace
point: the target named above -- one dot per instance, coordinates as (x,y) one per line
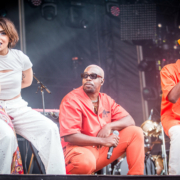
(94,101)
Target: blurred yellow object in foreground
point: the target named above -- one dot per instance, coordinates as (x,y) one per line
(179,41)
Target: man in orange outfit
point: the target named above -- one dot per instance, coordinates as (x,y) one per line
(170,112)
(87,118)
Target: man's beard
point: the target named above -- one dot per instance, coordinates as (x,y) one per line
(89,91)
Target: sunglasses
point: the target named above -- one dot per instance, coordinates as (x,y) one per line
(92,76)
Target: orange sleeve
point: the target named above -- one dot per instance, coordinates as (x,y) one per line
(117,111)
(167,81)
(70,117)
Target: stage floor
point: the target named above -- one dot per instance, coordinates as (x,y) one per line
(84,177)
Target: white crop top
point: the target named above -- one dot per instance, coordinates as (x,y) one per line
(10,82)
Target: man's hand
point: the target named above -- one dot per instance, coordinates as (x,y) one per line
(105,131)
(85,140)
(112,140)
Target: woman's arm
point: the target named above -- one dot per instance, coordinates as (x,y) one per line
(27,78)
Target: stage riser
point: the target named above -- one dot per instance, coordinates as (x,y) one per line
(84,177)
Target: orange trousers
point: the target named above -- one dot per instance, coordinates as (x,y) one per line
(89,159)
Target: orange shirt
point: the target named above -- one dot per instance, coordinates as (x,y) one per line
(77,114)
(170,113)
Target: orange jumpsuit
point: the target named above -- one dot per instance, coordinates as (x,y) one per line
(77,116)
(170,113)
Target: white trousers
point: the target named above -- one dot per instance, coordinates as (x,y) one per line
(174,157)
(36,128)
(8,145)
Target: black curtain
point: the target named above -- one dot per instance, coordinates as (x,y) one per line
(51,46)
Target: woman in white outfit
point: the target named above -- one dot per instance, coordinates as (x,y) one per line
(16,73)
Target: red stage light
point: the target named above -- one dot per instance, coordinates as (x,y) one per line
(75,58)
(115,11)
(36,2)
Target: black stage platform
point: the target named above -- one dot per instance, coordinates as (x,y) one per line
(84,177)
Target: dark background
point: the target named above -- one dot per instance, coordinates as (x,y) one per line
(51,46)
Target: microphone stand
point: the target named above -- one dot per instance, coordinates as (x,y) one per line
(42,87)
(163,148)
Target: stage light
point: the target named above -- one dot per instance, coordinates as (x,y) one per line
(144,65)
(112,8)
(159,25)
(150,93)
(76,17)
(83,23)
(75,58)
(115,11)
(77,61)
(3,13)
(36,2)
(77,23)
(49,9)
(175,47)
